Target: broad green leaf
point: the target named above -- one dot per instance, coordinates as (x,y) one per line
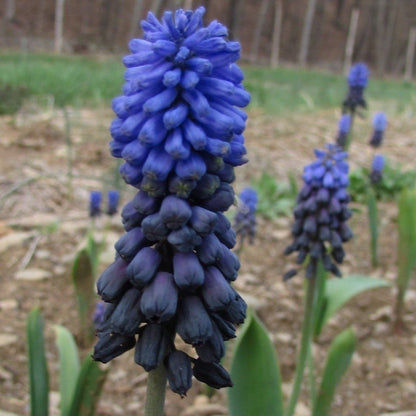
(38,369)
(373,223)
(82,277)
(94,250)
(88,389)
(255,373)
(407,240)
(68,367)
(337,363)
(340,291)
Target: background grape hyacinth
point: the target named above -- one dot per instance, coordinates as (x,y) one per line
(95,204)
(321,213)
(377,167)
(357,81)
(344,126)
(379,127)
(179,129)
(245,219)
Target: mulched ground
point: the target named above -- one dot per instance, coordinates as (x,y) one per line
(41,227)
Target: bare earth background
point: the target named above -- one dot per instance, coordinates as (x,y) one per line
(41,228)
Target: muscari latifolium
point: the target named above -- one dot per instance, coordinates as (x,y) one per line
(357,82)
(321,213)
(179,128)
(344,126)
(379,127)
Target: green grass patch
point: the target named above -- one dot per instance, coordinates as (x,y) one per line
(285,90)
(70,80)
(88,81)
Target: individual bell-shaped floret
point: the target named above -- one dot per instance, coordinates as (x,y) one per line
(113,281)
(111,345)
(152,346)
(193,323)
(213,374)
(179,371)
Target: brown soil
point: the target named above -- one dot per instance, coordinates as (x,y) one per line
(34,190)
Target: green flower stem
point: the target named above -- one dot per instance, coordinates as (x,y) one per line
(305,346)
(156,392)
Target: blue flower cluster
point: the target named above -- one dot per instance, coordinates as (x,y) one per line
(179,129)
(357,81)
(321,213)
(245,219)
(377,167)
(344,126)
(379,127)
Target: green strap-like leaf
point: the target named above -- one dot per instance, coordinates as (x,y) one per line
(38,370)
(338,361)
(88,389)
(255,373)
(407,240)
(82,277)
(340,291)
(94,249)
(68,367)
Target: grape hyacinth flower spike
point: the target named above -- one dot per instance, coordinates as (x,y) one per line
(376,174)
(95,204)
(344,126)
(179,128)
(379,126)
(113,199)
(321,213)
(245,219)
(357,81)
(98,315)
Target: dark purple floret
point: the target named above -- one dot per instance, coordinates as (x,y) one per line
(320,227)
(178,128)
(151,348)
(213,374)
(111,345)
(178,365)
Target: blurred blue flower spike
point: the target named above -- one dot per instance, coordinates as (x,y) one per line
(95,204)
(379,127)
(357,82)
(344,126)
(377,167)
(321,213)
(113,199)
(179,128)
(98,315)
(245,219)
